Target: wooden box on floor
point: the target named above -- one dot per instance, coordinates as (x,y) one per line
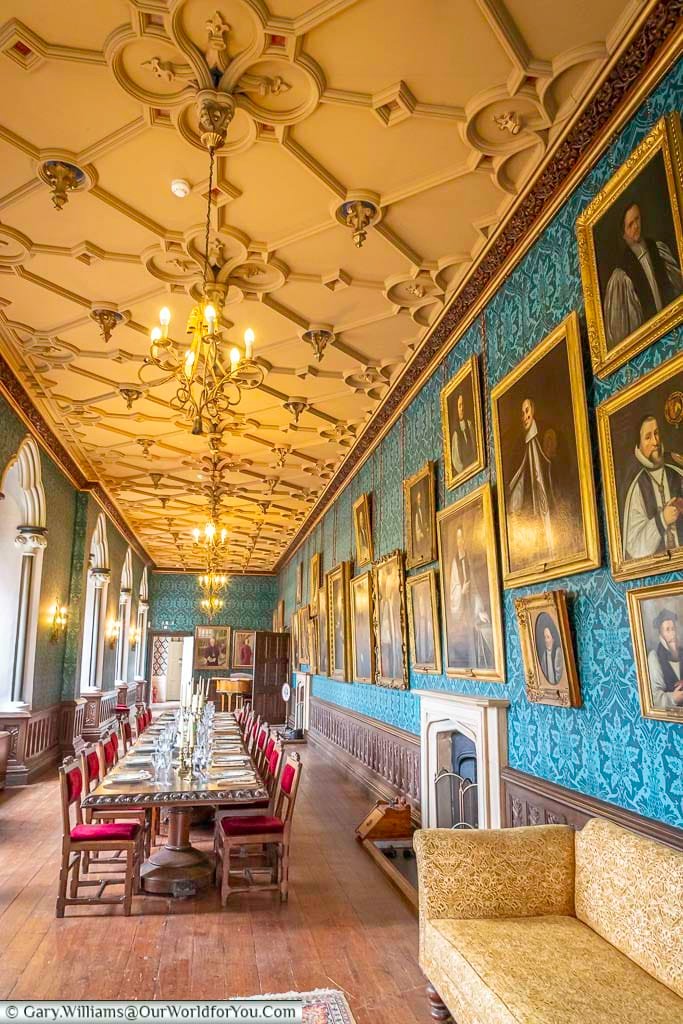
(387,835)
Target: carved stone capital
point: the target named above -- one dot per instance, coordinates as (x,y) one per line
(30,539)
(100,577)
(215,111)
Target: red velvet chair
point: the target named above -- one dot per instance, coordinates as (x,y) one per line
(80,838)
(250,738)
(260,748)
(92,759)
(271,830)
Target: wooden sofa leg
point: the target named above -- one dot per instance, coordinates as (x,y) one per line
(437,1007)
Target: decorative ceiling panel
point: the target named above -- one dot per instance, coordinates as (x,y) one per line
(435,115)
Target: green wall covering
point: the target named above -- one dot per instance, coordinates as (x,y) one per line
(604,748)
(174,602)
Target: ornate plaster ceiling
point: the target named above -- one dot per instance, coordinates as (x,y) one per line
(435,114)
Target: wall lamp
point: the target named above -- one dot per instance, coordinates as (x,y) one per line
(59,614)
(113,632)
(133,637)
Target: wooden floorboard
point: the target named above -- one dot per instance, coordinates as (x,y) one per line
(345,925)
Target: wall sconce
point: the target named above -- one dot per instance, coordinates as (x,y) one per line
(112,634)
(133,637)
(59,613)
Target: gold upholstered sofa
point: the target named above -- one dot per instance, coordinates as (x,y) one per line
(545,925)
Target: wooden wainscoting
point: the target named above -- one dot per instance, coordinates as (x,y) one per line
(533,801)
(100,717)
(33,743)
(386,760)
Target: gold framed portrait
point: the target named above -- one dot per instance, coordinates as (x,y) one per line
(243,641)
(362,640)
(314,582)
(423,622)
(280,627)
(304,618)
(362,530)
(299,582)
(338,621)
(323,636)
(211,647)
(294,640)
(547,516)
(313,646)
(641,452)
(462,431)
(470,589)
(420,510)
(547,649)
(389,618)
(631,250)
(656,615)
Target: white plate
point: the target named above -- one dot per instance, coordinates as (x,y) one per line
(128,777)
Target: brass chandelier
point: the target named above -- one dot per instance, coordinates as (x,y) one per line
(211,540)
(209,377)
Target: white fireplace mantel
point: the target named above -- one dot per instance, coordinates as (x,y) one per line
(484,720)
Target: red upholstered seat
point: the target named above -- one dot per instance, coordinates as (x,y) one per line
(251,826)
(122,709)
(113,830)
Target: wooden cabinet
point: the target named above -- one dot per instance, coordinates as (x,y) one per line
(271,671)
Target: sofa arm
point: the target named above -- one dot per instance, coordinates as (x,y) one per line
(510,872)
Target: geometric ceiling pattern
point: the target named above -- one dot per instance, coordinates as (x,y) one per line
(413,127)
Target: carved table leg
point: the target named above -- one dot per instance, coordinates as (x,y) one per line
(437,1007)
(178,868)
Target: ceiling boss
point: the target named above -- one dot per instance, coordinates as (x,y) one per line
(210,373)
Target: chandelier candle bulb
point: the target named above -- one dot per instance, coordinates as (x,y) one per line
(234,358)
(249,337)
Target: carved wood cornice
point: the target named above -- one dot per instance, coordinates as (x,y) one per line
(656,44)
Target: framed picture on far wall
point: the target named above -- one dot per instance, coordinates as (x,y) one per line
(294,640)
(314,583)
(362,529)
(464,453)
(299,582)
(631,250)
(656,615)
(304,652)
(338,621)
(547,515)
(470,595)
(420,517)
(280,626)
(243,648)
(362,640)
(423,623)
(641,451)
(211,647)
(323,637)
(390,622)
(547,649)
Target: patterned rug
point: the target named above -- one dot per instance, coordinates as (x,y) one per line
(323,1006)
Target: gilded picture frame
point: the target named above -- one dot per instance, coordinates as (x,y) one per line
(389,619)
(547,649)
(556,535)
(281,616)
(420,510)
(463,388)
(656,617)
(211,648)
(313,646)
(304,617)
(294,640)
(471,619)
(243,641)
(425,637)
(362,530)
(627,422)
(362,634)
(299,582)
(314,582)
(323,636)
(338,622)
(650,178)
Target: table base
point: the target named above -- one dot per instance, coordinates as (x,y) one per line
(178,868)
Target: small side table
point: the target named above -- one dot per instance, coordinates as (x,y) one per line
(235,687)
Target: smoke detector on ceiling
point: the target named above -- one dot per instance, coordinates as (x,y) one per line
(180,188)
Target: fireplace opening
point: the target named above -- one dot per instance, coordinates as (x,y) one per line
(455,781)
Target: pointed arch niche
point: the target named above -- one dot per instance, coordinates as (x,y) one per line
(97,585)
(123,640)
(141,627)
(23,537)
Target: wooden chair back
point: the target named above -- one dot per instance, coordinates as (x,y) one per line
(287,787)
(108,752)
(260,747)
(272,765)
(91,768)
(71,792)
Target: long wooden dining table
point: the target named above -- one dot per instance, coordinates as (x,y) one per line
(178,868)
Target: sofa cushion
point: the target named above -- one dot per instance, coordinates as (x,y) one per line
(630,891)
(545,970)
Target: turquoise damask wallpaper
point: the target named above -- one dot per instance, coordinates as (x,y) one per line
(174,602)
(605,748)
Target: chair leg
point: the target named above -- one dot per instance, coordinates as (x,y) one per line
(63,879)
(225,874)
(75,877)
(131,860)
(284,872)
(437,1007)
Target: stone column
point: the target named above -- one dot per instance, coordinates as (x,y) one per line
(100,579)
(141,650)
(29,540)
(121,668)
